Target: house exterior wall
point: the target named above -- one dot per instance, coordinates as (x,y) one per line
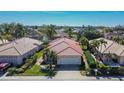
(18,60)
(31,52)
(15,60)
(104,58)
(121,60)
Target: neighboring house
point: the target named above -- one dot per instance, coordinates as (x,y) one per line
(61,35)
(112,51)
(18,50)
(110,35)
(68,51)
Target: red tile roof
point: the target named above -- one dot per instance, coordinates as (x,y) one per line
(65,45)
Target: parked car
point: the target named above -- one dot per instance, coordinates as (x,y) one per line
(4,66)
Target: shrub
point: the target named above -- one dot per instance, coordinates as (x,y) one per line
(104,70)
(45,44)
(114,71)
(83,73)
(51,73)
(121,70)
(107,70)
(34,58)
(11,70)
(93,65)
(90,60)
(82,67)
(28,62)
(19,70)
(88,71)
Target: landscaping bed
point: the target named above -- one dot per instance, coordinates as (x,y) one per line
(91,61)
(28,64)
(39,54)
(34,71)
(102,69)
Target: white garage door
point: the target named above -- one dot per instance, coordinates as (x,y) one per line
(69,60)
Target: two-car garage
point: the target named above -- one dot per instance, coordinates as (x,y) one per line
(69,60)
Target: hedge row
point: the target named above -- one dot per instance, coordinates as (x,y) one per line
(107,70)
(104,70)
(91,61)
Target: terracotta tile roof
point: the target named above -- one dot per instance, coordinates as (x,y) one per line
(64,44)
(69,51)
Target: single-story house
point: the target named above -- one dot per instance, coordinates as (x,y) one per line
(17,50)
(68,51)
(112,51)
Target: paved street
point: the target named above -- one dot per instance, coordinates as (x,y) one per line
(64,74)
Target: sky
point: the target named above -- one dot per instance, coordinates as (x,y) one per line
(71,18)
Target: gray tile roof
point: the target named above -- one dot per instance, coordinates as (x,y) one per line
(19,47)
(111,47)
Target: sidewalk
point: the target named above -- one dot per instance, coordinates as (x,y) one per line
(39,61)
(44,78)
(18,78)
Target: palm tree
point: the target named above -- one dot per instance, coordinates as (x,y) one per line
(80,33)
(122,42)
(20,31)
(84,41)
(12,31)
(49,31)
(5,28)
(50,57)
(106,30)
(68,30)
(95,45)
(116,39)
(102,42)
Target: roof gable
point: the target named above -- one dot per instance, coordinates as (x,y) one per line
(62,44)
(69,51)
(19,47)
(111,47)
(59,47)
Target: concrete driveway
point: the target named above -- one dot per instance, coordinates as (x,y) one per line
(68,72)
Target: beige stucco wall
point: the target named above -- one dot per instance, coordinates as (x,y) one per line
(9,59)
(121,60)
(17,60)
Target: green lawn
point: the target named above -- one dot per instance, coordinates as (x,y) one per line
(34,71)
(39,54)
